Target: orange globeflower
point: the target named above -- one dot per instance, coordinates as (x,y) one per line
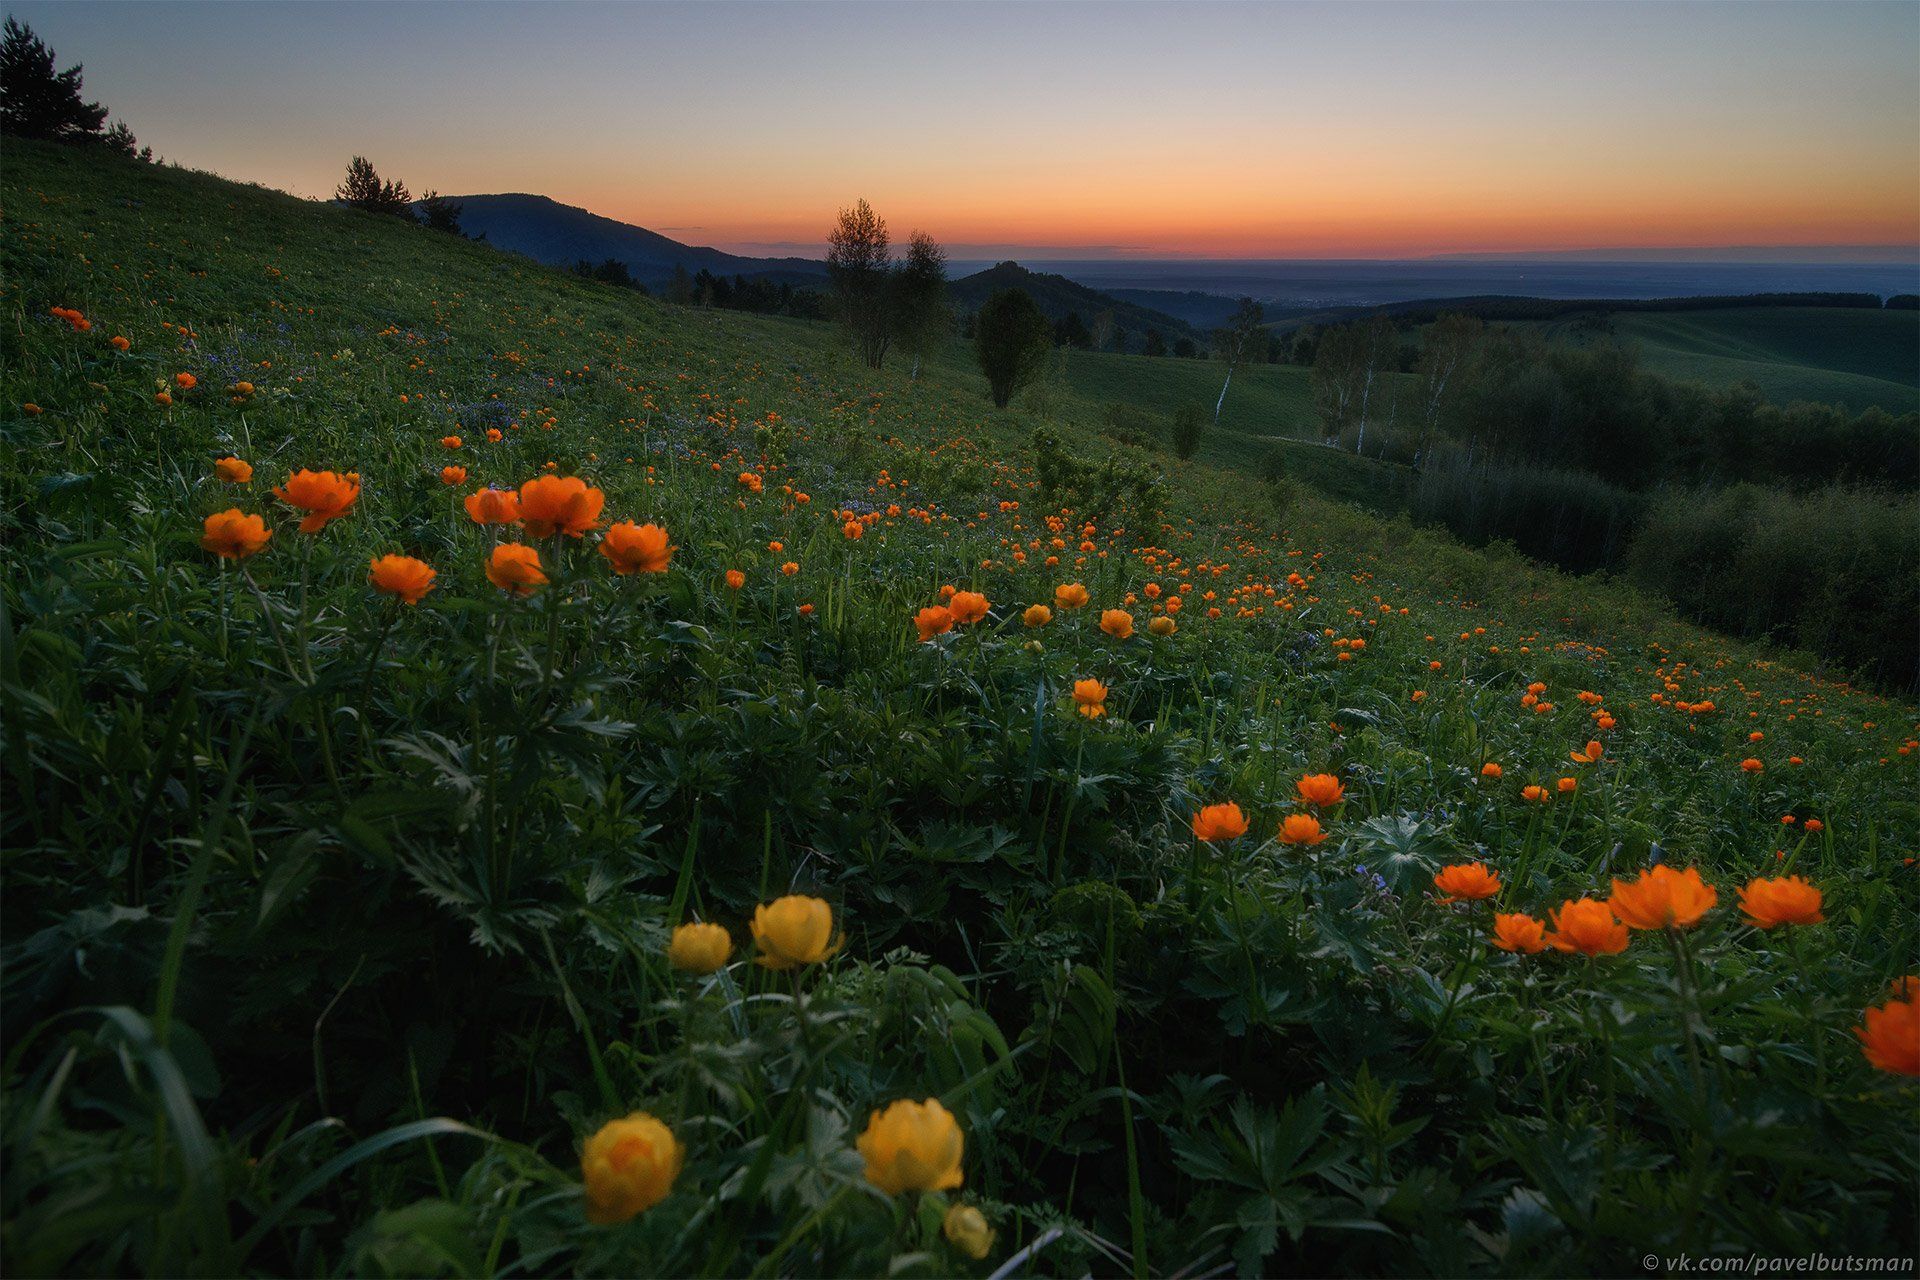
(1783,900)
(515,568)
(1592,754)
(1751,765)
(1534,793)
(1490,770)
(324,496)
(1301,828)
(1070,595)
(453,475)
(1520,932)
(401,576)
(1466,882)
(933,621)
(185,381)
(450,442)
(636,548)
(1037,615)
(1320,789)
(1891,1037)
(1117,623)
(852,530)
(493,506)
(1217,822)
(1587,926)
(967,606)
(1091,696)
(119,342)
(233,470)
(233,534)
(1161,626)
(1662,898)
(735,579)
(560,504)
(1568,786)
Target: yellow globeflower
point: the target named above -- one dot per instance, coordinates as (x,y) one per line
(912,1146)
(793,931)
(699,947)
(966,1228)
(628,1167)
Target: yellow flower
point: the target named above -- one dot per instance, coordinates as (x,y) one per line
(1161,626)
(628,1167)
(793,931)
(966,1229)
(912,1146)
(699,947)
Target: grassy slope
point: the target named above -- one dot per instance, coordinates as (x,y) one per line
(1828,355)
(720,742)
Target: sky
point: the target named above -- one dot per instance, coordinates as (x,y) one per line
(1091,129)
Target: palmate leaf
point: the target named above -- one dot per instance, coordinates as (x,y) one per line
(1402,848)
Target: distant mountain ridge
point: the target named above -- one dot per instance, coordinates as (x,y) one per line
(562,234)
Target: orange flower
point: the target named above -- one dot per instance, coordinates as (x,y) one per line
(233,470)
(324,496)
(1594,750)
(1568,786)
(1466,882)
(932,621)
(1320,789)
(790,568)
(1784,900)
(560,504)
(1490,770)
(1517,931)
(1117,623)
(185,381)
(1091,696)
(1301,828)
(515,568)
(160,398)
(1587,926)
(233,534)
(852,530)
(119,342)
(1161,626)
(453,475)
(967,606)
(401,576)
(735,579)
(493,506)
(1037,615)
(1217,822)
(450,442)
(1891,1037)
(1662,898)
(1534,793)
(636,548)
(1751,765)
(1070,595)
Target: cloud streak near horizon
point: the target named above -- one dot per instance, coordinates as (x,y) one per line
(1232,130)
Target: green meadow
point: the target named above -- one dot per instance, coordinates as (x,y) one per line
(948,842)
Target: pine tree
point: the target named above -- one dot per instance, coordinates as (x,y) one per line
(37,102)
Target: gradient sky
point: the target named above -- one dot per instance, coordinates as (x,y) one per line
(1224,130)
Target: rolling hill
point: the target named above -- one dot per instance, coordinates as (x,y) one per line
(560,235)
(1058,296)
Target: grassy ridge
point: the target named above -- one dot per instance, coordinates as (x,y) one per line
(1829,355)
(337,928)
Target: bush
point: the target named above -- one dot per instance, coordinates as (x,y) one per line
(1188,429)
(1568,518)
(1011,341)
(1836,571)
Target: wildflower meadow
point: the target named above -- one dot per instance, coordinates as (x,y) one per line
(508,776)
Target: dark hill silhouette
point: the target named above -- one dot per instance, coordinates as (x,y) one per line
(1057,296)
(561,234)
